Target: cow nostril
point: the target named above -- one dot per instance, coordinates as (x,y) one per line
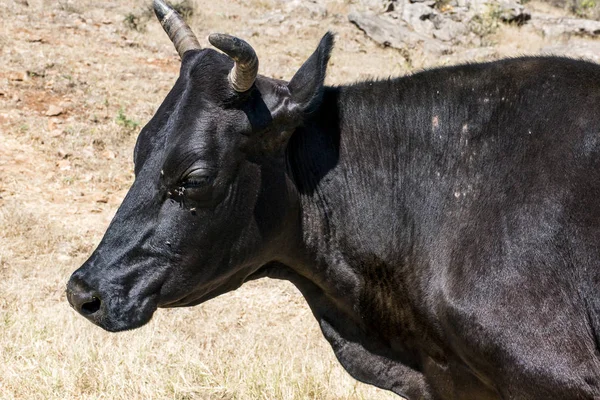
(91,307)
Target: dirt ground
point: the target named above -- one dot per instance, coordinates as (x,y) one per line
(76,85)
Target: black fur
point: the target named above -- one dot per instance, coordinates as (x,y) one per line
(444,227)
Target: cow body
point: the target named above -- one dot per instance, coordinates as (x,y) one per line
(452,226)
(443,227)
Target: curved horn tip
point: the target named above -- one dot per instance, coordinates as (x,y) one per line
(243,74)
(234,47)
(227,43)
(161,9)
(215,38)
(176,28)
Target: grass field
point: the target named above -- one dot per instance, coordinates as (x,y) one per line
(77,81)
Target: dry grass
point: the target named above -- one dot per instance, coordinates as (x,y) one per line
(257,343)
(62,177)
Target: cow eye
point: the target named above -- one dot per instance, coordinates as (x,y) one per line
(197,181)
(197,187)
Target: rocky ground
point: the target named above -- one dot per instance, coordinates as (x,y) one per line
(464,29)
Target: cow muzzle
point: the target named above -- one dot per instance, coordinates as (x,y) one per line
(111,308)
(84,300)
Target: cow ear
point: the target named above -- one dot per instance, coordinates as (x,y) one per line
(306,87)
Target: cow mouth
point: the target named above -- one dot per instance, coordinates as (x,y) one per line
(114,316)
(107,306)
(205,294)
(116,313)
(130,318)
(194,299)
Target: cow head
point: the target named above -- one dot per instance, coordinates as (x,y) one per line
(212,201)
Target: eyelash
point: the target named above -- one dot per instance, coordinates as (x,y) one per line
(178,195)
(196,181)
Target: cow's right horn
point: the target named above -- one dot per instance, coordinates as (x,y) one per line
(243,74)
(179,32)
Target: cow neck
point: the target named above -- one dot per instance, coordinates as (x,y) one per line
(360,233)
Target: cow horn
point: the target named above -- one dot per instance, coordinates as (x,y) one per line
(179,32)
(243,74)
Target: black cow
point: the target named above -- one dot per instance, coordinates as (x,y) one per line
(443,227)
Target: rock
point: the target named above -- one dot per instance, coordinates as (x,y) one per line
(397,34)
(477,6)
(512,11)
(272,18)
(552,26)
(377,5)
(54,111)
(450,30)
(475,54)
(391,6)
(434,30)
(307,9)
(419,16)
(421,24)
(585,49)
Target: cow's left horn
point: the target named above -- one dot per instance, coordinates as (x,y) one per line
(179,32)
(243,74)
